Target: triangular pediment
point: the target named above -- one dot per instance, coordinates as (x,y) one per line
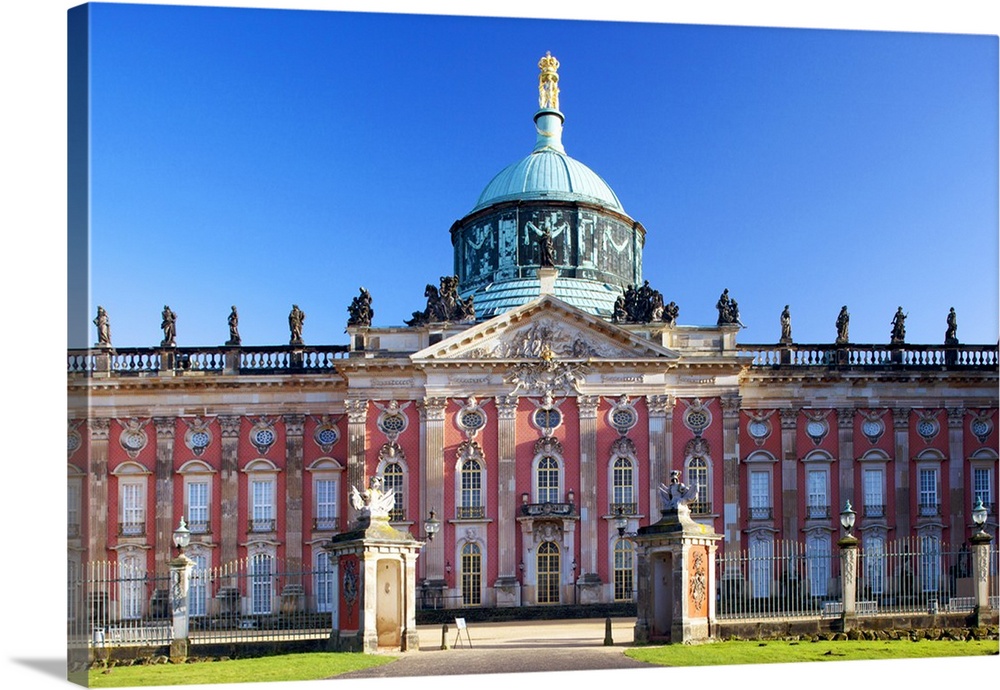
(546,324)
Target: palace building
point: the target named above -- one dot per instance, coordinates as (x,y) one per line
(545,392)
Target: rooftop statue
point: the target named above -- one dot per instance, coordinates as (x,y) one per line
(548,83)
(729,310)
(295,319)
(951,335)
(444,305)
(843,322)
(786,326)
(643,305)
(234,327)
(546,249)
(169,326)
(104,327)
(360,313)
(898,334)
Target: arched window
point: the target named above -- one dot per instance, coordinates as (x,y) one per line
(472,574)
(547,480)
(624,570)
(471,500)
(394,478)
(818,563)
(131,580)
(697,472)
(873,562)
(623,486)
(548,573)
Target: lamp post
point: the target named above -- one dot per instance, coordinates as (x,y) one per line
(180,574)
(431,525)
(980,564)
(848,565)
(620,523)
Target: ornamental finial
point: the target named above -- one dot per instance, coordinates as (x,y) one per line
(548,83)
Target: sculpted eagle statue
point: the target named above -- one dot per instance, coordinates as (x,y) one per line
(677,495)
(373,502)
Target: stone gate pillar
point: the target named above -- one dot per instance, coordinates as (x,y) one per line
(676,573)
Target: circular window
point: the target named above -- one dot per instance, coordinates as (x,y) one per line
(697,420)
(623,420)
(927,428)
(981,427)
(264,437)
(199,439)
(327,436)
(72,442)
(872,428)
(758,429)
(134,440)
(393,423)
(816,430)
(547,419)
(472,420)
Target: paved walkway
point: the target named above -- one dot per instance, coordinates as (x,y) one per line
(521,647)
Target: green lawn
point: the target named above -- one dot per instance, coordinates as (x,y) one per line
(310,666)
(753,652)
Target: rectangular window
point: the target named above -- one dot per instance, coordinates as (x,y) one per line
(982,487)
(133,509)
(930,563)
(623,570)
(197,507)
(326,504)
(324,583)
(262,499)
(760,495)
(874,492)
(622,483)
(818,562)
(74,490)
(198,589)
(928,498)
(817,501)
(260,584)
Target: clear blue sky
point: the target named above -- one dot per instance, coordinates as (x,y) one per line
(268,157)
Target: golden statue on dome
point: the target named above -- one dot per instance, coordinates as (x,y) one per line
(548,83)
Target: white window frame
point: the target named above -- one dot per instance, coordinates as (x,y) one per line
(262,508)
(470,482)
(74,502)
(818,562)
(471,583)
(198,585)
(548,493)
(323,517)
(197,473)
(131,584)
(818,492)
(761,555)
(760,464)
(983,463)
(325,583)
(623,562)
(133,496)
(873,562)
(398,513)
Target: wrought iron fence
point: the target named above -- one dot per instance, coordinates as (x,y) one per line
(254,599)
(776,579)
(916,574)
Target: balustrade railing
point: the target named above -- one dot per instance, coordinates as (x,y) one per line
(263,359)
(866,355)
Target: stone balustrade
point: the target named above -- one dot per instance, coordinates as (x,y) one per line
(866,355)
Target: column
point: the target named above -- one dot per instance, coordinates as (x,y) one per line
(956,502)
(587,496)
(901,427)
(789,474)
(980,577)
(731,468)
(432,481)
(97,470)
(661,447)
(357,416)
(294,424)
(229,489)
(845,434)
(507,501)
(164,478)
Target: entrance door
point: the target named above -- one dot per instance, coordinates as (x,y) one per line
(388,623)
(548,573)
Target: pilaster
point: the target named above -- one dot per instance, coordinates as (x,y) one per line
(507,489)
(789,473)
(432,480)
(229,489)
(956,503)
(845,446)
(901,428)
(294,424)
(164,491)
(588,405)
(357,416)
(731,468)
(661,446)
(97,471)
